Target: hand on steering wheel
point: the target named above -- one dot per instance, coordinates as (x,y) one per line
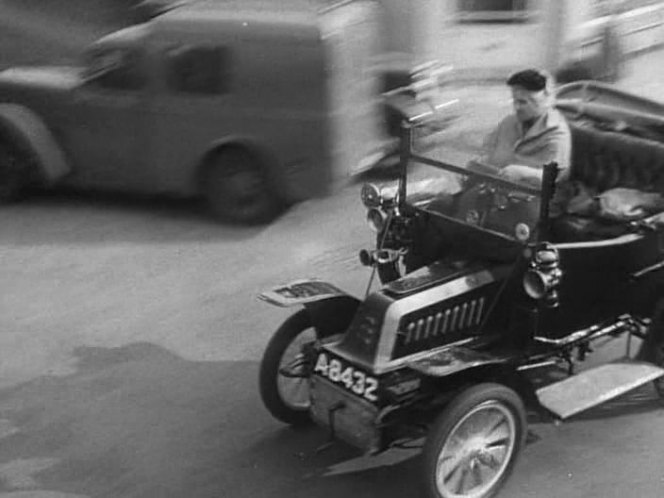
(518,173)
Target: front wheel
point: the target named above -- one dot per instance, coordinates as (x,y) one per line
(473,445)
(285,369)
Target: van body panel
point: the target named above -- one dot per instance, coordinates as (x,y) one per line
(149,104)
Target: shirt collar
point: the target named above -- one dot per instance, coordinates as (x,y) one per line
(548,121)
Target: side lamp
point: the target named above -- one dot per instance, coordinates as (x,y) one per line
(542,279)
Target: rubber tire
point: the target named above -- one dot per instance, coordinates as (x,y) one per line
(455,411)
(235,165)
(13,173)
(269,369)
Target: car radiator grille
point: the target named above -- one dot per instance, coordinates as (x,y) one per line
(460,317)
(436,326)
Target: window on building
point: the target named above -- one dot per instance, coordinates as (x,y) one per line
(492,10)
(116,69)
(198,70)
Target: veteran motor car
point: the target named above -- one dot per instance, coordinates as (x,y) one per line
(491,298)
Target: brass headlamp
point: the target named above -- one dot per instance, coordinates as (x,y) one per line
(542,278)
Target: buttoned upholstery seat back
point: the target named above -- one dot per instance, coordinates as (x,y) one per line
(602,160)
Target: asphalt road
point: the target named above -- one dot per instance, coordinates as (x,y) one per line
(129,353)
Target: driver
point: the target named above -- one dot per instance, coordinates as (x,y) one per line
(517,149)
(534,135)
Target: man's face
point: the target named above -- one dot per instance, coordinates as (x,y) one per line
(529,105)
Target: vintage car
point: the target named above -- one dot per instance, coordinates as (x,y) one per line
(248,106)
(493,294)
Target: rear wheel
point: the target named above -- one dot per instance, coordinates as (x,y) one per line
(237,188)
(474,443)
(13,172)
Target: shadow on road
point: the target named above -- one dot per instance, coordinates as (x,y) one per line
(139,421)
(132,421)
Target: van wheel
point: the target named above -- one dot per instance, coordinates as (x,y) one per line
(237,188)
(13,173)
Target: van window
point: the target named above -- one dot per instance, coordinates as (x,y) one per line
(116,69)
(492,10)
(199,70)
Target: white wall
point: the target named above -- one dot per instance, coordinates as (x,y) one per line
(557,31)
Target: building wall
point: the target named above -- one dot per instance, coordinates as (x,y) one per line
(555,32)
(398,25)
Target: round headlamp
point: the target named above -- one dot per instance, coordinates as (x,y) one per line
(522,232)
(542,279)
(536,284)
(376,219)
(370,195)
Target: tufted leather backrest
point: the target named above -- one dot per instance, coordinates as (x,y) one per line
(606,159)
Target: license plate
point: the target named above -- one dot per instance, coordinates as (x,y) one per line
(347,376)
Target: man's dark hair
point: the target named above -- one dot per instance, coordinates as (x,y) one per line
(530,79)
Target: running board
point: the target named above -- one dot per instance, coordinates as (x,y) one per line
(595,386)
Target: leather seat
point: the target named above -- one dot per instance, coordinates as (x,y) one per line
(603,160)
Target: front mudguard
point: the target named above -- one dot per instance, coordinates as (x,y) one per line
(454,369)
(453,360)
(28,131)
(332,315)
(330,308)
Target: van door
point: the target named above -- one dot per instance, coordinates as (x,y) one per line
(105,133)
(191,109)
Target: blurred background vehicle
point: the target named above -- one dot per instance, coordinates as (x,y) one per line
(254,108)
(366,48)
(271,105)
